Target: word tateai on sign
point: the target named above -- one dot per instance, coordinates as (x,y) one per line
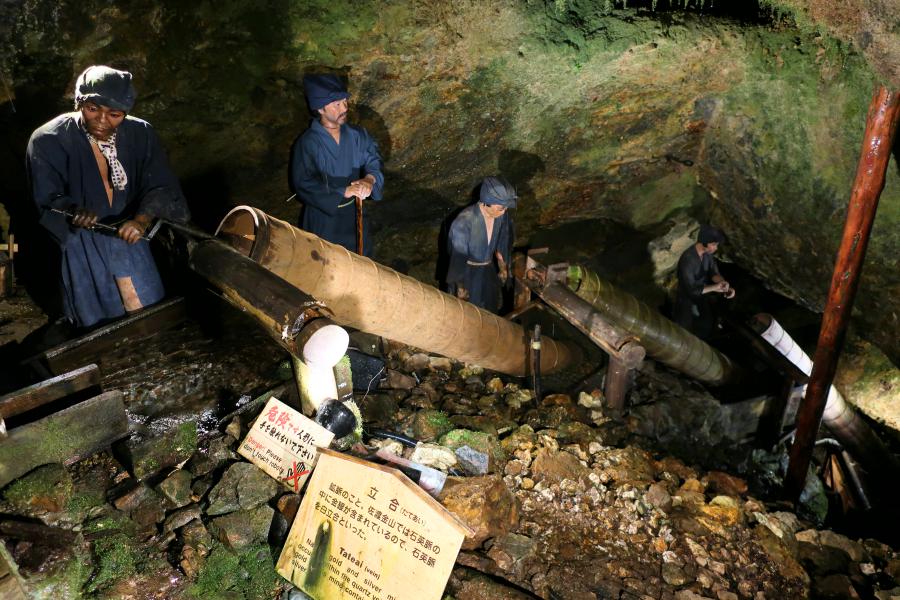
(283,443)
(366,532)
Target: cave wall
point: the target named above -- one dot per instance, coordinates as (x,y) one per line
(749,117)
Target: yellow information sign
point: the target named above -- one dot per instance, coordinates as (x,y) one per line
(283,443)
(366,532)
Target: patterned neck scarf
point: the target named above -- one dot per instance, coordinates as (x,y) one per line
(108,150)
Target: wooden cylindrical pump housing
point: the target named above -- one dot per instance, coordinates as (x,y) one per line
(374,298)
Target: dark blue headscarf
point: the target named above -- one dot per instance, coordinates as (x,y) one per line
(323,89)
(106,86)
(497,190)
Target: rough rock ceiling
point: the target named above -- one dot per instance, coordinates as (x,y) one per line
(750,117)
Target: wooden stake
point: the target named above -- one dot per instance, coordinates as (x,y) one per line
(881,125)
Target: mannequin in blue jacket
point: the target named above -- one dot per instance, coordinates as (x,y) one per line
(101,164)
(332,164)
(481,239)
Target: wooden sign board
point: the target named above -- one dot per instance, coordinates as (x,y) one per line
(283,443)
(366,532)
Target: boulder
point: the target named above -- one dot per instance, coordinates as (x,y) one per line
(552,467)
(46,489)
(151,455)
(177,488)
(242,487)
(484,504)
(243,528)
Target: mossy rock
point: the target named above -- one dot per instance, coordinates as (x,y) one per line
(150,456)
(429,424)
(247,574)
(110,520)
(477,440)
(46,489)
(117,558)
(523,435)
(66,577)
(574,432)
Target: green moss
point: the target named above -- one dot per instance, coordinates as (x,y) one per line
(439,420)
(185,439)
(250,573)
(806,156)
(59,439)
(151,464)
(429,98)
(115,521)
(655,201)
(82,502)
(175,446)
(323,29)
(117,559)
(48,481)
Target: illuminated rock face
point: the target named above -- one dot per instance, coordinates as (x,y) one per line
(633,115)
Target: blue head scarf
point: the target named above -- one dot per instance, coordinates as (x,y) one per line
(106,86)
(496,190)
(323,89)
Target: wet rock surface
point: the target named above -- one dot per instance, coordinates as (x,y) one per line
(566,509)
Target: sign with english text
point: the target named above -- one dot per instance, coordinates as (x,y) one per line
(284,444)
(364,531)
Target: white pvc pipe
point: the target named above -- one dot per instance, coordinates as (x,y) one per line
(775,334)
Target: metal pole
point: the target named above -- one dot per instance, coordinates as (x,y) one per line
(881,124)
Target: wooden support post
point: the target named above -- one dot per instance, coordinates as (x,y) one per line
(881,125)
(521,292)
(617,375)
(18,402)
(64,437)
(11,247)
(614,341)
(7,266)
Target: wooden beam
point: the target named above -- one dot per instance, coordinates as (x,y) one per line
(91,347)
(614,341)
(33,396)
(64,437)
(291,317)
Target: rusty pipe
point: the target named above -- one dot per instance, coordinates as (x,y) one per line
(371,297)
(664,340)
(839,416)
(293,319)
